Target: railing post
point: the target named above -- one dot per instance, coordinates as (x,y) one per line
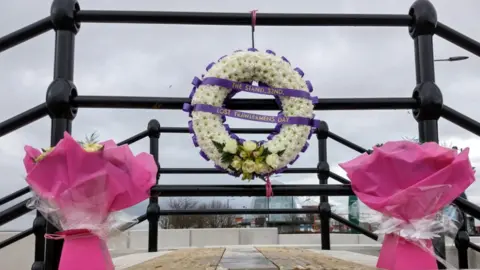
(323,175)
(426,92)
(59,94)
(153,209)
(461,242)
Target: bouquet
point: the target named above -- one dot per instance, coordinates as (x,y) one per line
(410,184)
(80,187)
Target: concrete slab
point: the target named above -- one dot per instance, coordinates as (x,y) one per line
(367,260)
(245,258)
(127,261)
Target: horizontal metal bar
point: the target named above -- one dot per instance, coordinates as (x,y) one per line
(14,212)
(354,226)
(14,195)
(339,178)
(270,19)
(474,246)
(130,225)
(236,212)
(461,120)
(458,38)
(23,119)
(16,237)
(468,207)
(216,171)
(249,190)
(25,33)
(175,103)
(134,138)
(347,143)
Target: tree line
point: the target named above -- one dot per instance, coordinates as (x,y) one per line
(196,221)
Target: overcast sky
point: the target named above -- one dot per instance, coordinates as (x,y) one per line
(145,60)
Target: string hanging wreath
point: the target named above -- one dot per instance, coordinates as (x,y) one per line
(239,72)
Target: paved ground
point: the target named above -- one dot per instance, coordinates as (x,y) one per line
(246,257)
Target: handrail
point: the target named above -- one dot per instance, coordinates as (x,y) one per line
(215,171)
(23,119)
(468,207)
(339,178)
(461,120)
(16,237)
(474,246)
(347,143)
(249,190)
(354,226)
(176,103)
(251,211)
(268,19)
(14,212)
(457,38)
(14,195)
(25,33)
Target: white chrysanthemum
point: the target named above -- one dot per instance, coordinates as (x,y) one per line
(247,66)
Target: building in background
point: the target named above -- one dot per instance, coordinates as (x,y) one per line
(284,222)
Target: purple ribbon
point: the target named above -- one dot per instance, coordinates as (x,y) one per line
(263,90)
(291,120)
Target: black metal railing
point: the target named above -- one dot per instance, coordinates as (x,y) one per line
(63,101)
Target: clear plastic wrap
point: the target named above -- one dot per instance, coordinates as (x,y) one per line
(420,232)
(80,188)
(84,214)
(411,185)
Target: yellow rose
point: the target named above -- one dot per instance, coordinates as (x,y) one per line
(230,146)
(249,146)
(259,152)
(244,155)
(261,168)
(248,166)
(273,161)
(92,147)
(237,163)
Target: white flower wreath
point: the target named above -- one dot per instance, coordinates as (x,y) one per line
(237,72)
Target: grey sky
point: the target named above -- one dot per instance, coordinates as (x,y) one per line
(146,59)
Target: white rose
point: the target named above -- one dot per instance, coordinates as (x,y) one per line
(273,160)
(230,146)
(261,168)
(249,146)
(237,163)
(275,148)
(248,166)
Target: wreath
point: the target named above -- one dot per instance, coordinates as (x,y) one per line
(260,73)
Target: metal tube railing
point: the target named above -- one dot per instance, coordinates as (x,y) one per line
(23,119)
(250,190)
(267,19)
(16,237)
(176,103)
(14,212)
(25,33)
(14,195)
(458,38)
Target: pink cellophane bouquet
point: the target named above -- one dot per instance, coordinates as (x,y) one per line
(409,184)
(80,187)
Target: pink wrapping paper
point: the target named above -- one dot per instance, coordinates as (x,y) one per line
(82,189)
(409,182)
